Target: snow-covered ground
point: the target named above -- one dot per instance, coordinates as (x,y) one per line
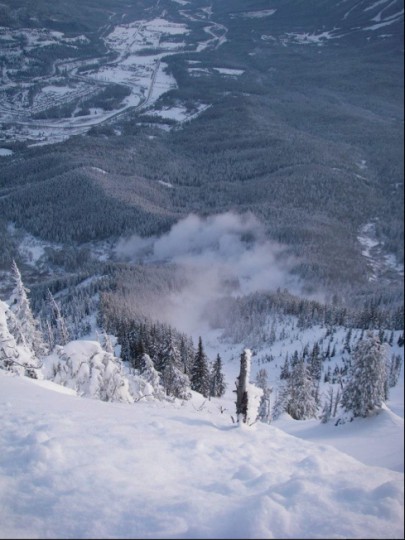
(74,467)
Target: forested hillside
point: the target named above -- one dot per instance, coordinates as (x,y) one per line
(261,143)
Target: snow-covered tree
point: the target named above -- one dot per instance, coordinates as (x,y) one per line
(9,356)
(247,394)
(85,367)
(17,358)
(297,397)
(152,376)
(315,363)
(285,370)
(106,343)
(218,385)
(200,374)
(330,404)
(61,333)
(281,401)
(265,406)
(364,392)
(175,382)
(24,327)
(394,369)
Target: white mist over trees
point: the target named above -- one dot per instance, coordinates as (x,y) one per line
(217,254)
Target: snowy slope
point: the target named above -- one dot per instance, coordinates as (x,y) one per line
(72,467)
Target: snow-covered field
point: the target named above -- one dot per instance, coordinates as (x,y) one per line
(72,467)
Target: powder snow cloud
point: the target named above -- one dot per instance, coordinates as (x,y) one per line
(222,254)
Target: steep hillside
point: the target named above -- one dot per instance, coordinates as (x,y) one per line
(288,110)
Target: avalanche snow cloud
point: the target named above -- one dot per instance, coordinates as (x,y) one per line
(223,254)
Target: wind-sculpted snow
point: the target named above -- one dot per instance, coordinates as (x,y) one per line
(77,468)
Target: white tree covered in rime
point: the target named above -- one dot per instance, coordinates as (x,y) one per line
(218,385)
(299,394)
(200,373)
(24,326)
(18,359)
(89,370)
(9,356)
(247,395)
(364,392)
(61,333)
(106,343)
(175,382)
(265,405)
(152,376)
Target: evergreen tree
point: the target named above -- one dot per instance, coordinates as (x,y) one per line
(25,328)
(281,401)
(365,390)
(265,404)
(328,375)
(187,354)
(301,403)
(106,343)
(394,369)
(315,370)
(9,355)
(200,375)
(218,385)
(295,359)
(152,376)
(330,405)
(60,329)
(91,371)
(285,370)
(175,382)
(137,354)
(18,359)
(315,363)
